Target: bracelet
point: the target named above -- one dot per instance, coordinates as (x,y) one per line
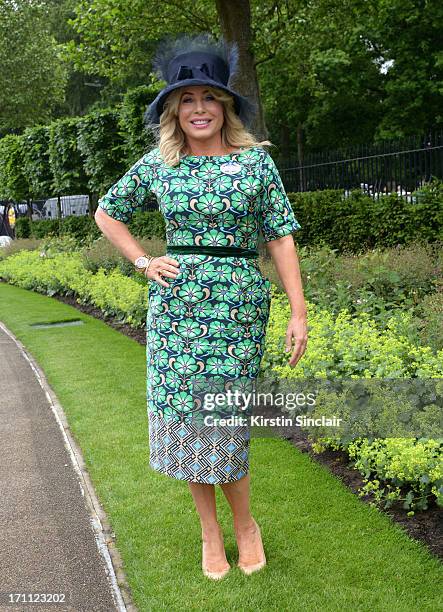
(150,259)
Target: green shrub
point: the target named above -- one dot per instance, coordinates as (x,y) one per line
(118,296)
(82,227)
(376,282)
(58,244)
(427,212)
(430,322)
(23,227)
(45,274)
(358,222)
(19,244)
(50,272)
(148,224)
(345,346)
(143,224)
(45,227)
(398,469)
(416,466)
(101,253)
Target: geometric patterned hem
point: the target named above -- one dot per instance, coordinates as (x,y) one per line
(204,454)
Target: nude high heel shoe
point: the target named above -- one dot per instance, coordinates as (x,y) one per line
(208,573)
(250,569)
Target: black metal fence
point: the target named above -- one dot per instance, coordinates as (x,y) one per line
(396,166)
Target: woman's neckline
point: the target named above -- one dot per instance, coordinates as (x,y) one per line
(241,150)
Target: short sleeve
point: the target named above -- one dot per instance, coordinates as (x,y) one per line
(276,217)
(129,193)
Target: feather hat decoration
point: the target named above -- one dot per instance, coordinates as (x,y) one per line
(197,60)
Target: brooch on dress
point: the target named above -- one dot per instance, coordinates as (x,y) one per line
(230,168)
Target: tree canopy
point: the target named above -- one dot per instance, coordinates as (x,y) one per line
(32,73)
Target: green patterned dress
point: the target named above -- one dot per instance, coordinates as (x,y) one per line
(210,323)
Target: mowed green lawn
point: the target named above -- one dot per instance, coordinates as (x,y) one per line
(325,548)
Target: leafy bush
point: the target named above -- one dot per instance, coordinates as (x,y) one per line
(103,254)
(345,346)
(45,227)
(23,227)
(118,296)
(58,244)
(376,282)
(83,228)
(148,224)
(143,224)
(427,212)
(358,222)
(63,273)
(403,470)
(137,139)
(19,244)
(430,325)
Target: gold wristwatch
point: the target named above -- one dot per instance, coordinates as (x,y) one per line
(142,262)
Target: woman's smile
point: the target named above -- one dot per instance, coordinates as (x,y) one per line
(200,123)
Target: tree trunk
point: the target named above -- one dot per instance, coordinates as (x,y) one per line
(235,22)
(59,207)
(301,155)
(6,229)
(29,208)
(285,142)
(92,204)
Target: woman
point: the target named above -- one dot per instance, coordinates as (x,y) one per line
(208,301)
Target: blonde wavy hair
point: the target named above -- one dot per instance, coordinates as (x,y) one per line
(171,140)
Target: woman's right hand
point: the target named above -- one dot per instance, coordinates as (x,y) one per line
(162,266)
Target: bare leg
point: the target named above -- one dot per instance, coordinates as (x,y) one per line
(237,494)
(213,547)
(247,532)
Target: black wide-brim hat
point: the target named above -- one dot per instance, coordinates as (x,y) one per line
(198,60)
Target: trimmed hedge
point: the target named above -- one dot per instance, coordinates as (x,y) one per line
(23,227)
(84,228)
(148,225)
(81,227)
(358,223)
